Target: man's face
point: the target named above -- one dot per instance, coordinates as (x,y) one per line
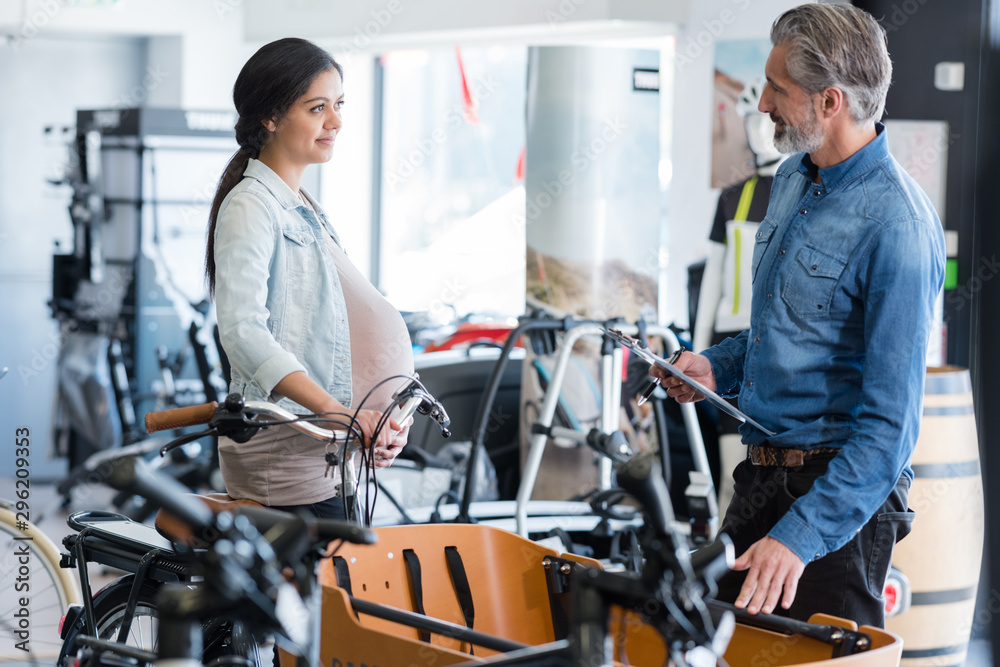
(796,125)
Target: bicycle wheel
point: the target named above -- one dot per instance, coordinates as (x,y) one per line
(109,611)
(220,647)
(36,592)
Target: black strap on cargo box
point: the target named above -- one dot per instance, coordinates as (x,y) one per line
(343,573)
(558,577)
(461,583)
(416,587)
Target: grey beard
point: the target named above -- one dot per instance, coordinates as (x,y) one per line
(804,138)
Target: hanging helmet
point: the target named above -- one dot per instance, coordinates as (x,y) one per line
(747,101)
(759,127)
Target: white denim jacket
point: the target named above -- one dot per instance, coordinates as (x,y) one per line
(278,297)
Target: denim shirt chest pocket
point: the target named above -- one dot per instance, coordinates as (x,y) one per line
(301,250)
(811,281)
(761,240)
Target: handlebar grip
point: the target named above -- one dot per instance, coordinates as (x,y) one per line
(407,409)
(180,417)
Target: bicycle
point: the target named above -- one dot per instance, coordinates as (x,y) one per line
(241,576)
(668,599)
(240,571)
(126,609)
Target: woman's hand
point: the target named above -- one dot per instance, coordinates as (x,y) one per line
(383,457)
(303,390)
(368,421)
(696,367)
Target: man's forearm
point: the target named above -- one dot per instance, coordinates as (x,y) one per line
(727,359)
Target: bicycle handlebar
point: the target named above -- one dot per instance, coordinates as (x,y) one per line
(239,419)
(282,416)
(194,415)
(410,399)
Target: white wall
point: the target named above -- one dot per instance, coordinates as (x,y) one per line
(201,71)
(394,23)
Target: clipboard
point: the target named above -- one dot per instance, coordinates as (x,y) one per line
(643,353)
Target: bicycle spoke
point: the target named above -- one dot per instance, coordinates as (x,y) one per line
(54,605)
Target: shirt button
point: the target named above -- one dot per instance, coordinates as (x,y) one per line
(814,267)
(750,383)
(781,252)
(757,339)
(803,211)
(816,192)
(758,234)
(768,295)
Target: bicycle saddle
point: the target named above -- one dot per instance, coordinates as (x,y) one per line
(176,530)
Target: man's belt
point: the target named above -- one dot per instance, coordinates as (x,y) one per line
(784,457)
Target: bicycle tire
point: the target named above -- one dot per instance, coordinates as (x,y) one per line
(47,588)
(109,609)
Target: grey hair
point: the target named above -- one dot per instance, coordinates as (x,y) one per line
(841,46)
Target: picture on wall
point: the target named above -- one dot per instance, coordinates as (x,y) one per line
(737,65)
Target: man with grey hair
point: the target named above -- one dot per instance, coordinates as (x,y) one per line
(847,265)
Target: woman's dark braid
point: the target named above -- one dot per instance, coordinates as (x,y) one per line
(251,135)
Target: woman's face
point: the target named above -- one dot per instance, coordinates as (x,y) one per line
(306,134)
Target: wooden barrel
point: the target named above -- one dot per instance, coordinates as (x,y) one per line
(943,554)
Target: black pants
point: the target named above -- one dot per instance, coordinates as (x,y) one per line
(848,582)
(331,508)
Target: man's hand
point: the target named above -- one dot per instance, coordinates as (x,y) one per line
(696,367)
(772,567)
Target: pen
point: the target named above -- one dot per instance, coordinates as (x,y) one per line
(674,358)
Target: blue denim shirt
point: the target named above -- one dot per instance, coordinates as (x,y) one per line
(278,296)
(845,275)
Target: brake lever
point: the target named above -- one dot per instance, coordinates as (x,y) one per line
(185,439)
(426,405)
(440,415)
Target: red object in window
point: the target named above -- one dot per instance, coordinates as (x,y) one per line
(469,103)
(472,333)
